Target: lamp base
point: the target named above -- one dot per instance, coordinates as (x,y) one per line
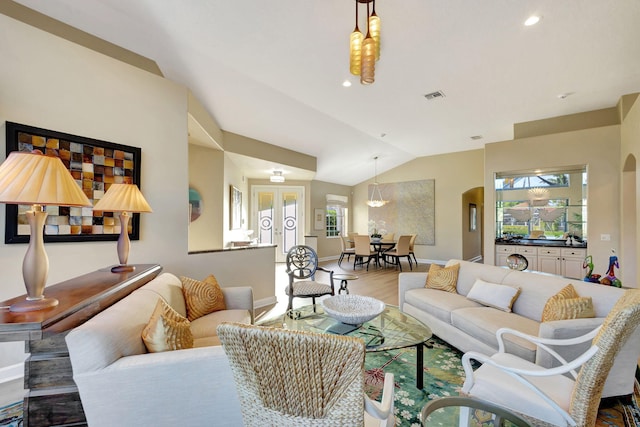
(33,305)
(123,268)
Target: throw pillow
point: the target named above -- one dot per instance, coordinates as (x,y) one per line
(567,304)
(443,278)
(166,330)
(202,297)
(493,295)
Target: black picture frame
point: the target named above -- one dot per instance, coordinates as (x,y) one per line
(119,163)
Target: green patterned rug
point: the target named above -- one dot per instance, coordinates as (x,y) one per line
(443,376)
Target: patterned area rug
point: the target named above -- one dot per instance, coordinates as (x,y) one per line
(443,376)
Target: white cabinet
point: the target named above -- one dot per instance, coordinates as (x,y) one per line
(565,262)
(529,252)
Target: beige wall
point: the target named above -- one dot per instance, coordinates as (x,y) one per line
(630,155)
(206,174)
(597,148)
(454,174)
(327,247)
(51,83)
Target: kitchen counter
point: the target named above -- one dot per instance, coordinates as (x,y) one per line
(554,243)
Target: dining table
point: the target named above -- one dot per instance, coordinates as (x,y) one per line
(382,245)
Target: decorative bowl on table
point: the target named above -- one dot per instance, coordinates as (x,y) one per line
(352,309)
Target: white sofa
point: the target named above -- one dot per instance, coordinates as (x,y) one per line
(121,384)
(468,325)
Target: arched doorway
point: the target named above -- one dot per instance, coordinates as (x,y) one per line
(472,224)
(629,226)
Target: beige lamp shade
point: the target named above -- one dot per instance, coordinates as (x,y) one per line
(123,198)
(36,179)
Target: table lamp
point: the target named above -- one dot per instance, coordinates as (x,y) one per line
(123,198)
(37,180)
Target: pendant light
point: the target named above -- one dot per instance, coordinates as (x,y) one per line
(355,48)
(365,51)
(376,201)
(368,66)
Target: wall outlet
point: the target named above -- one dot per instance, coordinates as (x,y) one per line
(605,237)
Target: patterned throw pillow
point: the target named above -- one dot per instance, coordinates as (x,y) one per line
(202,297)
(166,330)
(567,304)
(443,278)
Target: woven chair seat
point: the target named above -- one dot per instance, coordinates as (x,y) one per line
(308,288)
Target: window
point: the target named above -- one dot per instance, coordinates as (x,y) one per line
(335,223)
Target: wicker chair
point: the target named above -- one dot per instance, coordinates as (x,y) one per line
(295,378)
(302,264)
(546,397)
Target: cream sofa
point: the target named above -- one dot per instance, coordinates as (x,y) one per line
(468,325)
(121,384)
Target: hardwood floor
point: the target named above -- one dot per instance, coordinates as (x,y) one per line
(379,283)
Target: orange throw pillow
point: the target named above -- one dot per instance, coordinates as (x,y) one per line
(202,297)
(443,278)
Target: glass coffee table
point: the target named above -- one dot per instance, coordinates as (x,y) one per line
(392,329)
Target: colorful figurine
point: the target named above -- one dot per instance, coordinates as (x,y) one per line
(611,278)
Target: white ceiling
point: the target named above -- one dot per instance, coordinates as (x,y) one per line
(272,70)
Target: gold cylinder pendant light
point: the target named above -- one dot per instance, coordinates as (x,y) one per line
(374,28)
(368,69)
(355,48)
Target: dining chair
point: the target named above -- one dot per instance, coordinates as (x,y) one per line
(412,243)
(302,265)
(364,251)
(346,249)
(401,250)
(295,378)
(546,396)
(351,239)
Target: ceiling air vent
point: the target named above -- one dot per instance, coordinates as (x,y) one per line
(474,137)
(434,95)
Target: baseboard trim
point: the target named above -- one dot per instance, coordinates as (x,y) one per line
(11,373)
(265,302)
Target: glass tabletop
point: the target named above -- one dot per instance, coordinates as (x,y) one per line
(446,411)
(390,330)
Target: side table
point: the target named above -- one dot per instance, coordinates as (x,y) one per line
(344,281)
(455,408)
(51,396)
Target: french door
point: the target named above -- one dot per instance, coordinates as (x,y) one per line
(278,217)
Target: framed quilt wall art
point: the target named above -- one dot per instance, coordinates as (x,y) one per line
(95,165)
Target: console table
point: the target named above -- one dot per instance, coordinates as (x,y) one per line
(51,396)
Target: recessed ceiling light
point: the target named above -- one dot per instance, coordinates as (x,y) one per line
(564,95)
(346,83)
(532,20)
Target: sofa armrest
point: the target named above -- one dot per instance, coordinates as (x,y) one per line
(183,387)
(408,281)
(564,329)
(239,297)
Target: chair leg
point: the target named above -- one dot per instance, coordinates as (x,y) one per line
(340,259)
(414,258)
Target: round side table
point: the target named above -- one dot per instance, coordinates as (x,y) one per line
(344,281)
(452,406)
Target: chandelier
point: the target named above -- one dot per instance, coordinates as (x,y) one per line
(376,201)
(364,51)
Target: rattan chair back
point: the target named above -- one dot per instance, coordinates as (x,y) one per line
(294,378)
(620,323)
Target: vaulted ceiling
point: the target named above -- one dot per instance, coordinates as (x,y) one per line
(273,70)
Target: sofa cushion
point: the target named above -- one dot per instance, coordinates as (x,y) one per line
(443,278)
(567,304)
(202,297)
(437,303)
(168,287)
(167,330)
(482,323)
(470,271)
(493,295)
(206,326)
